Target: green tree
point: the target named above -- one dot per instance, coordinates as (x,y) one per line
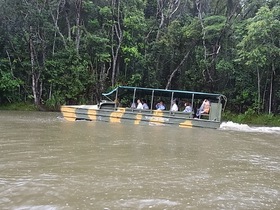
(260,50)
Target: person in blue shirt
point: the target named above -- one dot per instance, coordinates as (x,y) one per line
(160,105)
(145,105)
(188,107)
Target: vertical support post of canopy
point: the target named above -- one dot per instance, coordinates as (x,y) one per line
(172,95)
(192,101)
(152,100)
(116,98)
(133,100)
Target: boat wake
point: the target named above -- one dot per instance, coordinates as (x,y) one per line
(246,128)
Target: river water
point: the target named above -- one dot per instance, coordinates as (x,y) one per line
(51,164)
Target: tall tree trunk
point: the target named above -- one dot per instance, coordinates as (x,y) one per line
(175,70)
(199,9)
(271,88)
(259,90)
(116,32)
(55,18)
(160,6)
(164,15)
(78,24)
(33,69)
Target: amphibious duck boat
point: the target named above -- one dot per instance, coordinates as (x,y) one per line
(119,106)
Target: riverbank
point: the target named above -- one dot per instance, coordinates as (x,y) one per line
(253,119)
(19,107)
(248,117)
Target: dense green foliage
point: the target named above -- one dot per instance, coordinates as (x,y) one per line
(69,51)
(252,118)
(20,106)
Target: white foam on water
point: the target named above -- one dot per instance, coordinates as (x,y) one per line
(148,203)
(246,128)
(40,207)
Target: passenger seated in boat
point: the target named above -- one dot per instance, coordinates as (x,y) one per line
(174,107)
(160,105)
(139,104)
(188,107)
(145,105)
(204,108)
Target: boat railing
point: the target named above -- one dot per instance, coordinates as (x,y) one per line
(107,105)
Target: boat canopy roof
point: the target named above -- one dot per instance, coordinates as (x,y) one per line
(118,91)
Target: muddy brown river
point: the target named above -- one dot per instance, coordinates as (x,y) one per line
(47,163)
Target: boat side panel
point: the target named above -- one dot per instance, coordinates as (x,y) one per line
(205,123)
(139,117)
(69,113)
(186,124)
(92,114)
(116,116)
(82,114)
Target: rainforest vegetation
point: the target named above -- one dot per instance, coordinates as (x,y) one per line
(55,52)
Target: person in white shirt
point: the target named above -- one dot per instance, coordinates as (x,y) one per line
(139,104)
(174,107)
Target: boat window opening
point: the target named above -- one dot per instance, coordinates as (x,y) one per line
(109,99)
(125,95)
